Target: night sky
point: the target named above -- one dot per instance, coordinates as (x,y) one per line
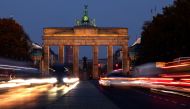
(34,15)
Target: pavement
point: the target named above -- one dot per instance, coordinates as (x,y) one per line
(84,96)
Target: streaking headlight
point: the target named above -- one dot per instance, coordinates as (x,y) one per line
(70,80)
(66,80)
(52,80)
(104,82)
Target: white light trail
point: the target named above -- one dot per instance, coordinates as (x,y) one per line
(171,92)
(17,67)
(9,68)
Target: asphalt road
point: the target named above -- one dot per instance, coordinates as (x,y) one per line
(32,97)
(141,98)
(89,95)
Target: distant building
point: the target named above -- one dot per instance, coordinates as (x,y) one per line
(134,51)
(53,57)
(37,54)
(133,54)
(117,61)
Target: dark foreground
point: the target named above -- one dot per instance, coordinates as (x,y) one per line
(141,98)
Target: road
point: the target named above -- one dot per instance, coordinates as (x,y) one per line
(141,98)
(88,95)
(30,97)
(31,93)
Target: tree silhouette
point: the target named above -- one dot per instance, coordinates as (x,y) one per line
(167,36)
(14,42)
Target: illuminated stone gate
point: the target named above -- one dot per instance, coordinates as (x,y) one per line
(85,33)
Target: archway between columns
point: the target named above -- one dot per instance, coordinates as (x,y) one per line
(86,36)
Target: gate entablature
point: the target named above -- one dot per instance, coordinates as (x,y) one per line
(85,31)
(85,36)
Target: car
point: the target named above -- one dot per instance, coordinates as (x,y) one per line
(63,75)
(6,74)
(114,78)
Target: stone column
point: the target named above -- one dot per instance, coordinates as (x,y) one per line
(76,60)
(61,54)
(95,62)
(125,59)
(41,64)
(109,58)
(45,70)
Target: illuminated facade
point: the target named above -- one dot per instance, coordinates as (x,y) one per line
(85,33)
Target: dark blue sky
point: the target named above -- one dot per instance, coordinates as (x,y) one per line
(34,15)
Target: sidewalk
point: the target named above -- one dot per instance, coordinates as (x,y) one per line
(84,96)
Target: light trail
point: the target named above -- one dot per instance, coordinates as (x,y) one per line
(20,96)
(175,76)
(28,95)
(171,92)
(11,85)
(164,83)
(24,82)
(17,67)
(9,68)
(175,66)
(185,80)
(70,80)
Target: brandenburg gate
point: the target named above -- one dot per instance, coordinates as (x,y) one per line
(85,33)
